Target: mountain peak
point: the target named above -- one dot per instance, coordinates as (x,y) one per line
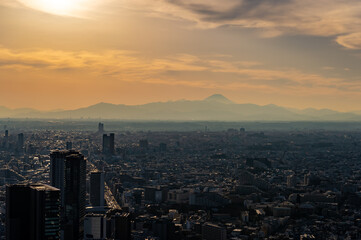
(219,98)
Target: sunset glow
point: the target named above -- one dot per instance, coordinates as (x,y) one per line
(288,53)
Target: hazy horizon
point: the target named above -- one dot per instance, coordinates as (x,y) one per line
(170,101)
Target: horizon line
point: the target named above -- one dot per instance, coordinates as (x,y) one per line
(179,100)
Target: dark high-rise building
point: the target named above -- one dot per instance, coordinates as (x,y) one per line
(155,194)
(97,188)
(100,127)
(68,173)
(74,196)
(95,226)
(111,143)
(6,139)
(57,170)
(105,143)
(69,145)
(164,229)
(108,144)
(20,141)
(122,226)
(32,212)
(213,232)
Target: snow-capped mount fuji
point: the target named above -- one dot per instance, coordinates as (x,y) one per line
(213,108)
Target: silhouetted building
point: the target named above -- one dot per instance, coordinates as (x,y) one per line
(20,144)
(155,194)
(32,212)
(95,227)
(163,229)
(100,127)
(310,179)
(213,232)
(291,181)
(74,196)
(68,173)
(57,170)
(105,143)
(97,188)
(122,226)
(111,143)
(108,144)
(6,139)
(69,145)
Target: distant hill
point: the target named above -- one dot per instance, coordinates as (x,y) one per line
(213,108)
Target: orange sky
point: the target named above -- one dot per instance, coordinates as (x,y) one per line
(70,54)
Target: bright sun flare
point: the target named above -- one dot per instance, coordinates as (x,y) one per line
(58,7)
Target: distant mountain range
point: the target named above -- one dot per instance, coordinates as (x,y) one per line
(214,108)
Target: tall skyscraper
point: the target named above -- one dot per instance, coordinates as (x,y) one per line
(163,229)
(32,212)
(100,127)
(6,139)
(20,143)
(95,226)
(97,188)
(74,196)
(111,143)
(213,232)
(122,226)
(68,173)
(105,144)
(57,170)
(108,144)
(69,145)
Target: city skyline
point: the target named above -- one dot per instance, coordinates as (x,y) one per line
(235,183)
(287,53)
(180,119)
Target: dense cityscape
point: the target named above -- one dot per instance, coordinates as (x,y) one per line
(180,120)
(231,184)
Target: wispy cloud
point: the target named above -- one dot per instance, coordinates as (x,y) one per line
(351,41)
(340,19)
(328,68)
(130,66)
